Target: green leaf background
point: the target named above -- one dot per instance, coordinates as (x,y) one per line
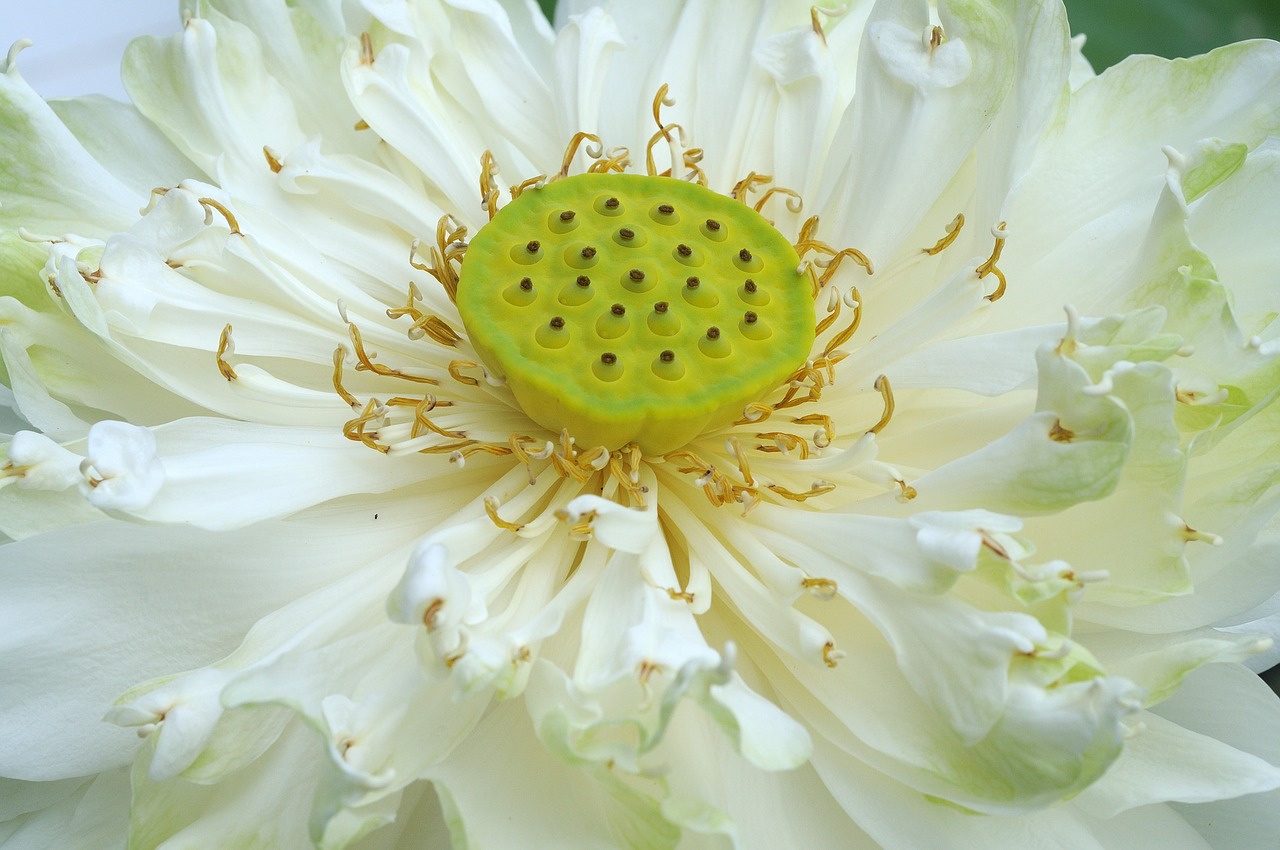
(1116,28)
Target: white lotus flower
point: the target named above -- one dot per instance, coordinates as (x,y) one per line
(386,522)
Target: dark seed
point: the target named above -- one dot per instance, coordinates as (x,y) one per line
(557,322)
(692,283)
(750,317)
(618,310)
(713,332)
(611,203)
(667,356)
(608,358)
(636,275)
(684,250)
(744,255)
(627,233)
(567,215)
(526,284)
(588,252)
(533,247)
(660,307)
(750,285)
(584,281)
(666,209)
(713,225)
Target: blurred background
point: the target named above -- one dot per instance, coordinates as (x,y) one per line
(78,43)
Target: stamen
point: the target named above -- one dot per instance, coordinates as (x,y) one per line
(886,392)
(744,468)
(366,49)
(488,185)
(989,267)
(795,203)
(1191,535)
(226,347)
(822,438)
(210,205)
(952,231)
(749,184)
(1060,434)
(455,372)
(491,508)
(272,161)
(846,334)
(366,363)
(822,588)
(817,25)
(339,357)
(531,183)
(594,150)
(832,264)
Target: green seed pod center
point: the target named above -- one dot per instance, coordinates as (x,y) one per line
(635,309)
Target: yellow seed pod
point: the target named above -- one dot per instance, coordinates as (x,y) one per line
(635,309)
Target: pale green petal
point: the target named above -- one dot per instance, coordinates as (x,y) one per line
(94,816)
(50,183)
(124,143)
(544,802)
(1165,762)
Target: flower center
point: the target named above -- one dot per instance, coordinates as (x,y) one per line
(635,309)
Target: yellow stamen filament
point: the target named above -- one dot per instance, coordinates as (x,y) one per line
(828,432)
(886,392)
(833,313)
(822,588)
(422,423)
(594,150)
(744,468)
(531,183)
(225,348)
(935,39)
(833,264)
(273,162)
(830,655)
(846,334)
(488,185)
(784,443)
(680,595)
(339,356)
(615,159)
(360,125)
(817,24)
(491,508)
(651,166)
(907,491)
(952,231)
(755,413)
(749,184)
(1191,535)
(366,363)
(989,267)
(1060,434)
(794,202)
(660,100)
(692,157)
(210,205)
(455,372)
(366,49)
(431,616)
(994,546)
(354,430)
